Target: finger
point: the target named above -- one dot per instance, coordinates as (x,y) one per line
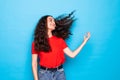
(88,34)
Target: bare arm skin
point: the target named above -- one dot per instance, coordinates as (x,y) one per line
(34,66)
(72,54)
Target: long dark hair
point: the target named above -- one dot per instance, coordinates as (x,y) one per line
(62,30)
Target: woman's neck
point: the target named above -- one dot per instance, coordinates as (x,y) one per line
(50,33)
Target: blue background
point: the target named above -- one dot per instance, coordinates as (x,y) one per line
(98,60)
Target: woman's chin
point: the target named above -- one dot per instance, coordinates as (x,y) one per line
(53,29)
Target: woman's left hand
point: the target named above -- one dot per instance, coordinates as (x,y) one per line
(86,37)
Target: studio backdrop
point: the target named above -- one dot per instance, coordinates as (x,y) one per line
(98,60)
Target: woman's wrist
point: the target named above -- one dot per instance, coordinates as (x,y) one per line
(84,42)
(36,78)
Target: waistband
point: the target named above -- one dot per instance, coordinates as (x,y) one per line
(52,69)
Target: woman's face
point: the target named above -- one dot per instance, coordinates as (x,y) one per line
(51,23)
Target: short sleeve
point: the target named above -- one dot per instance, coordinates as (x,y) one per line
(33,51)
(63,43)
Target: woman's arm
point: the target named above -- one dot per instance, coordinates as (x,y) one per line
(34,66)
(72,54)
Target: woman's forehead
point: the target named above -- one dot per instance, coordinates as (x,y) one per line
(50,17)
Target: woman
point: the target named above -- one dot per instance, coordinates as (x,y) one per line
(49,46)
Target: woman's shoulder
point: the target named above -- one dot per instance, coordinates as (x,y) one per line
(33,43)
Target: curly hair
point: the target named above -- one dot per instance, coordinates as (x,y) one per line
(63,24)
(62,30)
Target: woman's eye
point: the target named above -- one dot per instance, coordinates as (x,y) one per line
(50,20)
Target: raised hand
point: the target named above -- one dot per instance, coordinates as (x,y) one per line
(86,37)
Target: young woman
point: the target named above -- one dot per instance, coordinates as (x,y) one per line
(49,47)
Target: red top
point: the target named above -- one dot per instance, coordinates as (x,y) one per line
(55,57)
